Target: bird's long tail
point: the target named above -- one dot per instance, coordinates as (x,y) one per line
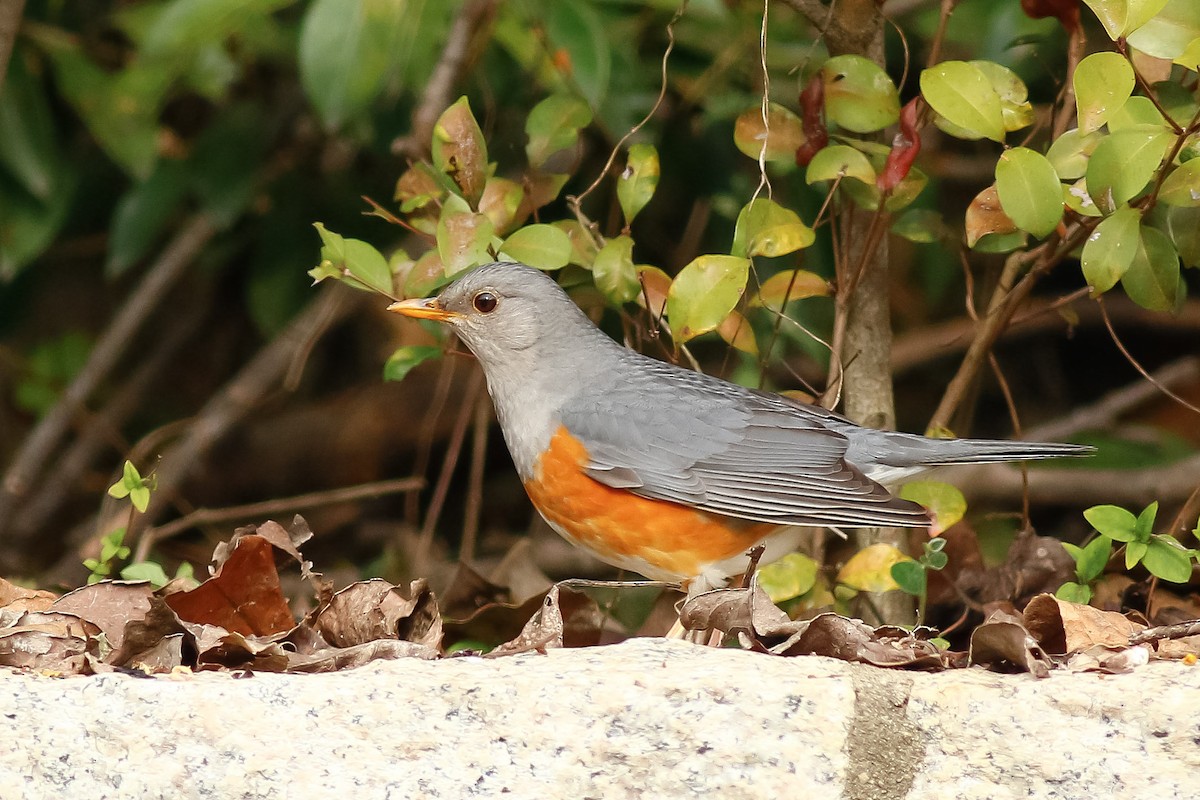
(909,450)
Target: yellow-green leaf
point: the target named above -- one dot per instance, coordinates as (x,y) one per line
(614,272)
(765,228)
(1069,153)
(1171,31)
(703,294)
(403,359)
(1029,191)
(1182,186)
(542,246)
(1015,109)
(945,502)
(964,96)
(637,183)
(1123,163)
(859,95)
(1110,249)
(553,125)
(870,569)
(1103,83)
(791,576)
(1152,279)
(839,161)
(1122,17)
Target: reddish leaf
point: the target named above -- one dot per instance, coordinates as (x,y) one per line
(1065,11)
(905,147)
(812,115)
(243,596)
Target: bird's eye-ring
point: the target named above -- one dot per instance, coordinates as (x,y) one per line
(485,302)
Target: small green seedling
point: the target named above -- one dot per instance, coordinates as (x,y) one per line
(1161,555)
(911,576)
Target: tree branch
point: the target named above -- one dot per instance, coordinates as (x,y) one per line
(39,446)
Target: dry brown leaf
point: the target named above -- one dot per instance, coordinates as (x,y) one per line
(110,605)
(1113,660)
(565,618)
(242,596)
(1065,628)
(335,658)
(50,640)
(1002,642)
(375,609)
(16,600)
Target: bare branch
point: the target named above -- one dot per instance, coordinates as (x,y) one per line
(39,446)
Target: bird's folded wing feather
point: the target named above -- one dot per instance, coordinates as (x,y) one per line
(715,447)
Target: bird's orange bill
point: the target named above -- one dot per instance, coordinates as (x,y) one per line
(423,308)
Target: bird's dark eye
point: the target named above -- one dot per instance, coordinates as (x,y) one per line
(485,302)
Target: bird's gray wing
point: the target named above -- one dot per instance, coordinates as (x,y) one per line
(672,434)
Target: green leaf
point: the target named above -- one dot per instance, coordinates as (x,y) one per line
(1123,163)
(1074,593)
(788,285)
(859,96)
(1183,225)
(1016,111)
(637,183)
(790,576)
(765,228)
(351,258)
(120,109)
(29,149)
(1190,57)
(1136,111)
(347,51)
(945,502)
(1112,521)
(1153,280)
(1167,559)
(404,359)
(1110,249)
(146,571)
(936,560)
(1029,191)
(553,125)
(1145,522)
(463,237)
(542,246)
(783,134)
(614,272)
(460,151)
(839,161)
(1182,186)
(909,577)
(703,294)
(576,34)
(1171,31)
(964,96)
(1069,153)
(501,203)
(1093,558)
(141,216)
(1103,83)
(920,225)
(1134,553)
(140,497)
(1121,17)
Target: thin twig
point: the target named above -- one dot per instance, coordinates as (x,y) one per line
(104,428)
(474,503)
(576,201)
(441,489)
(1179,630)
(260,375)
(281,505)
(1133,362)
(39,445)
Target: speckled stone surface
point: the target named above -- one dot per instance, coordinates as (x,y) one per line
(647,718)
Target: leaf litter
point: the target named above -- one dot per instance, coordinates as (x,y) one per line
(240,619)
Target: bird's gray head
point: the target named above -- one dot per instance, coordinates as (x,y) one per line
(503,311)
